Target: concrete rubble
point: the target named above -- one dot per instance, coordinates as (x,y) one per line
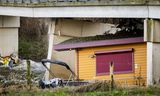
(18,73)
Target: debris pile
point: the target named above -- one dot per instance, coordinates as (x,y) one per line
(17,74)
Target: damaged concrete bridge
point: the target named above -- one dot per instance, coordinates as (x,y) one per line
(12,10)
(75,8)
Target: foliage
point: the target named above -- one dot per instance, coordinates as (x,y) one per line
(68,91)
(32,50)
(118,92)
(33,39)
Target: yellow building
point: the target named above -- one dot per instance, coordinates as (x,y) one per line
(94,56)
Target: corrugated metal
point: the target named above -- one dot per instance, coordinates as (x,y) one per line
(87,65)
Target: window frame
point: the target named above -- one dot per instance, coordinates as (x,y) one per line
(116,51)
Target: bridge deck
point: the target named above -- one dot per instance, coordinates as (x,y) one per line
(49,3)
(81,8)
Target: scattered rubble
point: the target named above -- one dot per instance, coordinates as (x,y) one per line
(18,73)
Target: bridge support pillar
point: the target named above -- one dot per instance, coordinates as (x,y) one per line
(152,37)
(51,30)
(9,34)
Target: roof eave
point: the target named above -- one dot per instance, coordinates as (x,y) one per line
(62,47)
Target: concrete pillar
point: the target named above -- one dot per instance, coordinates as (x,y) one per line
(152,37)
(51,30)
(9,34)
(149,63)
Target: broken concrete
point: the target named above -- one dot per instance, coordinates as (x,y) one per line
(18,73)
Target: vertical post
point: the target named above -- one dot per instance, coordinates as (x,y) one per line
(139,77)
(77,64)
(29,74)
(152,37)
(111,76)
(149,63)
(148,35)
(51,30)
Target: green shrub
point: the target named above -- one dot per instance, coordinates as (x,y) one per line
(33,42)
(32,50)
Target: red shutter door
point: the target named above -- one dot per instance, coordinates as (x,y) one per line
(123,62)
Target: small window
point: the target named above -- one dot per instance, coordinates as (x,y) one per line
(122,59)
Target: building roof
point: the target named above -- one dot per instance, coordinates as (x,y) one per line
(94,41)
(99,37)
(47,3)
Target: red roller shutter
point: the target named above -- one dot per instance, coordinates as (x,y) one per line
(123,61)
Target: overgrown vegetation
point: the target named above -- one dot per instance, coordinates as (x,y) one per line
(33,39)
(95,89)
(151,91)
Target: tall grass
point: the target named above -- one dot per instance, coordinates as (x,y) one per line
(82,91)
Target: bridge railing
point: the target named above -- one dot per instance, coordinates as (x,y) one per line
(76,2)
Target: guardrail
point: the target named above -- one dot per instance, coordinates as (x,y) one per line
(76,2)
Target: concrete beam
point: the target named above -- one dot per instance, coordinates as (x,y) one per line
(151,30)
(90,11)
(16,11)
(9,21)
(97,11)
(154,12)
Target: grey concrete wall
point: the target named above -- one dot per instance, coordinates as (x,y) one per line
(156,63)
(151,29)
(69,27)
(9,35)
(65,56)
(77,28)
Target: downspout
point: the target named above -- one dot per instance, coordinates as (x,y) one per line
(77,64)
(51,30)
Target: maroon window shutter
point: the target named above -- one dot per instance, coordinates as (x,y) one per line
(123,61)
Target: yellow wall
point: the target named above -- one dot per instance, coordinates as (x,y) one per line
(87,65)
